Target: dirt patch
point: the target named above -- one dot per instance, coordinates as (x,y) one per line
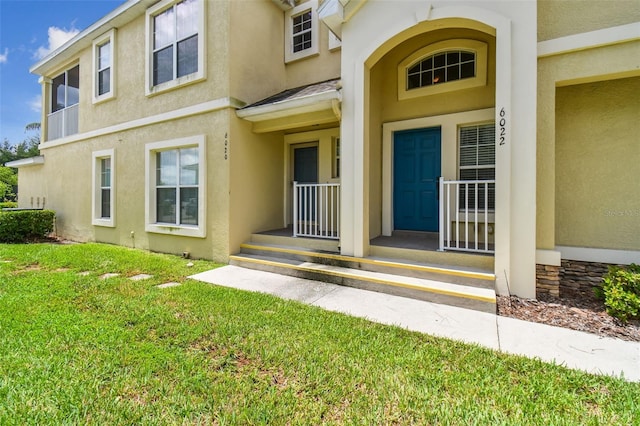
(579,312)
(29,268)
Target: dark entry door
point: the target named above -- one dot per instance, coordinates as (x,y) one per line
(416,168)
(305,164)
(305,170)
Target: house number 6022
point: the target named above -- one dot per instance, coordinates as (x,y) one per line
(503,127)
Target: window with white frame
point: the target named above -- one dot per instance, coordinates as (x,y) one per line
(336,158)
(477,162)
(176,187)
(103,188)
(301,31)
(175,43)
(65,89)
(103,65)
(441,67)
(64,111)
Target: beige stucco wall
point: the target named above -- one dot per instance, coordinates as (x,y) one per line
(385,107)
(242,166)
(559,18)
(131,102)
(32,187)
(592,65)
(66,180)
(256,176)
(322,67)
(257,67)
(598,164)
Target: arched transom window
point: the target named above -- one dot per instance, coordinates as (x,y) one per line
(442,67)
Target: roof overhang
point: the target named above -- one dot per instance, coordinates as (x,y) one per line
(334,13)
(297,112)
(84,39)
(26,162)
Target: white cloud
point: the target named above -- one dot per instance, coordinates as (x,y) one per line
(4,57)
(35,104)
(57,37)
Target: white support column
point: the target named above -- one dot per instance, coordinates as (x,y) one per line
(45,84)
(504,139)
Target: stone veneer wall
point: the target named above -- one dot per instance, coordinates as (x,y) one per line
(548,280)
(572,278)
(578,278)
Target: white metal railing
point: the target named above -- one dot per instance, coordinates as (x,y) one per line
(466,206)
(316,210)
(62,123)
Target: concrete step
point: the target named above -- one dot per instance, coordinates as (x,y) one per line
(481,299)
(476,261)
(474,277)
(288,240)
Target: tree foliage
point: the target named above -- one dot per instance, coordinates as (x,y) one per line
(8,152)
(8,181)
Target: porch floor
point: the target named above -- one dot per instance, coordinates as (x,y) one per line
(426,241)
(412,240)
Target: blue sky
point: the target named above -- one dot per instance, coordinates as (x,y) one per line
(28,30)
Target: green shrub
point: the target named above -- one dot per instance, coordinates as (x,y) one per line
(24,225)
(621,292)
(8,205)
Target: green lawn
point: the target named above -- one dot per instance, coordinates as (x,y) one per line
(75,349)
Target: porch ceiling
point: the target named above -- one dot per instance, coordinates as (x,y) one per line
(313,104)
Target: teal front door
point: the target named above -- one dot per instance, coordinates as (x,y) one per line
(416,168)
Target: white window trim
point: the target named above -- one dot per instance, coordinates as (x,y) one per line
(109,37)
(480,48)
(289,55)
(96,206)
(200,75)
(199,230)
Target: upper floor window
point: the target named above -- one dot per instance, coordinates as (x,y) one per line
(65,96)
(442,67)
(65,89)
(301,31)
(175,43)
(103,67)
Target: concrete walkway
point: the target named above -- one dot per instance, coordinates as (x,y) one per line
(572,349)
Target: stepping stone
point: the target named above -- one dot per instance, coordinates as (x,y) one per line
(107,276)
(140,277)
(84,273)
(167,285)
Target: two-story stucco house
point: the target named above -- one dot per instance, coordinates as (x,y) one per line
(486,140)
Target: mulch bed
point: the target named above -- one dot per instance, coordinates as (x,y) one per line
(577,312)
